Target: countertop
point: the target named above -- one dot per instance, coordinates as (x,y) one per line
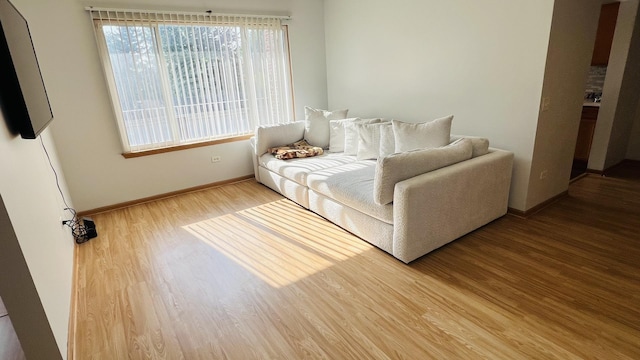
(591,104)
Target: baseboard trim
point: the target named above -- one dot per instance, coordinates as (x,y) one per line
(162,196)
(578,177)
(535,209)
(71,337)
(606,171)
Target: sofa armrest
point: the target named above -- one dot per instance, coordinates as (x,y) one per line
(254,158)
(276,135)
(440,206)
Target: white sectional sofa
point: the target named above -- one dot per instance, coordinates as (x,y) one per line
(427,210)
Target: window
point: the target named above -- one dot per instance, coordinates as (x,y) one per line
(177,79)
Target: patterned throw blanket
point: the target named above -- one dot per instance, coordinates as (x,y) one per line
(300,149)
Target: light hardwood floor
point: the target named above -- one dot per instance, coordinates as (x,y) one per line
(237,272)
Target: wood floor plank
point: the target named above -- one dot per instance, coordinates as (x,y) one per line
(238,272)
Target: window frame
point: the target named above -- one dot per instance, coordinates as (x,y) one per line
(174,144)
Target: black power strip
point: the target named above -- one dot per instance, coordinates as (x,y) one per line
(90,228)
(82,229)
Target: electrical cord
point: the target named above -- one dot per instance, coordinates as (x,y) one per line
(78,230)
(55,173)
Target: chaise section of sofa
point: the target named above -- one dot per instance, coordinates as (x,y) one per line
(427,211)
(435,208)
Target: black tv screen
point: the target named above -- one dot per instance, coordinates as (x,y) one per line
(23,97)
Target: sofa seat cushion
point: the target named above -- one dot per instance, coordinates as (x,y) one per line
(298,169)
(351,185)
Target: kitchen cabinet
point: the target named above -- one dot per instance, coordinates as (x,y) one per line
(604,36)
(585,133)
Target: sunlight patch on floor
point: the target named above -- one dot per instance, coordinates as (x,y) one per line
(279,242)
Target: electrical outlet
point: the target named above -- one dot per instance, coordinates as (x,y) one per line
(543,174)
(216,158)
(546,103)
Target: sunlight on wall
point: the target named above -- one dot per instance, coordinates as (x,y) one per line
(278,242)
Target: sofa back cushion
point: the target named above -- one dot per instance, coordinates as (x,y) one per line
(268,136)
(412,136)
(352,137)
(317,125)
(369,140)
(480,145)
(336,133)
(387,141)
(401,166)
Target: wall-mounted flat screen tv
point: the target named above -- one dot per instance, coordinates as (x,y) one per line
(23,97)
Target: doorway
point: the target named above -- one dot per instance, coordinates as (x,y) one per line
(595,83)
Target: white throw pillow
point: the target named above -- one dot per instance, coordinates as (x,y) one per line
(369,140)
(336,134)
(351,135)
(387,140)
(316,130)
(401,166)
(412,136)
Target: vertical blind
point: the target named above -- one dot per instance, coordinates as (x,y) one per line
(180,78)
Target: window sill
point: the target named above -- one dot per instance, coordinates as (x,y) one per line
(185,147)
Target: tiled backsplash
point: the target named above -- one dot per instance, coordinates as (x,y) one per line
(595,82)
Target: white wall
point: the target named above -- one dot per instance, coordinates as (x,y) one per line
(85,128)
(627,102)
(620,95)
(416,60)
(573,32)
(35,208)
